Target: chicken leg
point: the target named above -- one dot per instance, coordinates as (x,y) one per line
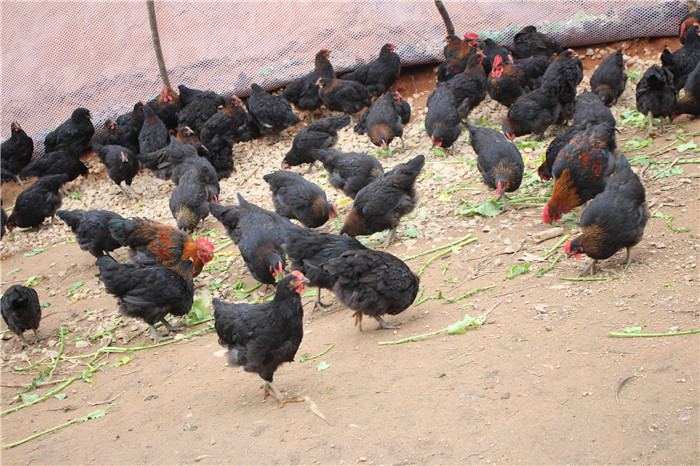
(590,268)
(124,190)
(272,390)
(318,302)
(651,125)
(389,237)
(170,328)
(504,199)
(629,259)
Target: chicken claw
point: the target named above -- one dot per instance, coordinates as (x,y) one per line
(590,268)
(272,390)
(319,303)
(170,328)
(384,324)
(629,259)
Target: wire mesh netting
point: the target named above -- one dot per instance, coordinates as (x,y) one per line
(57,56)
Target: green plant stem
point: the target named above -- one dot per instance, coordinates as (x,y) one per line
(92,415)
(255,287)
(307,358)
(223,246)
(106,331)
(42,398)
(468,294)
(415,338)
(589,279)
(669,334)
(541,272)
(554,248)
(658,150)
(443,253)
(439,248)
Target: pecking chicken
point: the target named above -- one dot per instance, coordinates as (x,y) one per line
(469,86)
(498,161)
(260,337)
(656,95)
(303,91)
(507,82)
(296,197)
(529,42)
(349,171)
(121,164)
(581,170)
(166,105)
(309,250)
(259,235)
(189,201)
(154,243)
(373,283)
(384,120)
(39,201)
(614,219)
(153,134)
(149,292)
(21,312)
(609,79)
(343,95)
(380,73)
(381,204)
(73,135)
(442,122)
(60,162)
(91,229)
(320,134)
(682,62)
(17,150)
(690,102)
(271,113)
(532,113)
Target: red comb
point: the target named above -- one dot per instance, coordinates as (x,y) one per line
(567,247)
(471,35)
(297,274)
(206,244)
(497,61)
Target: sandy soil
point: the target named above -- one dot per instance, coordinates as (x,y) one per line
(539,382)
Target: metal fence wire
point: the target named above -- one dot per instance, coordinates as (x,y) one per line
(57,56)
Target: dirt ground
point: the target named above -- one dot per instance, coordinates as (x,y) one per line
(539,382)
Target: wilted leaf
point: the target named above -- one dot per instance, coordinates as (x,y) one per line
(29,397)
(636,329)
(439,152)
(461,326)
(122,361)
(687,146)
(412,232)
(60,396)
(199,310)
(13,271)
(518,269)
(216,284)
(45,305)
(323,365)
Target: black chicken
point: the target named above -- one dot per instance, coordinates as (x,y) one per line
(121,164)
(189,201)
(154,134)
(469,86)
(259,235)
(498,161)
(384,120)
(303,91)
(529,42)
(197,107)
(381,204)
(21,311)
(91,229)
(296,197)
(609,79)
(380,73)
(39,201)
(320,134)
(73,135)
(373,283)
(149,292)
(682,62)
(343,95)
(690,102)
(442,122)
(309,250)
(231,122)
(60,162)
(656,95)
(166,105)
(614,219)
(271,113)
(17,150)
(349,171)
(260,337)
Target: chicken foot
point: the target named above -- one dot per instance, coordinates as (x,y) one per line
(272,390)
(124,190)
(589,269)
(389,237)
(34,340)
(318,302)
(629,259)
(504,199)
(170,328)
(384,324)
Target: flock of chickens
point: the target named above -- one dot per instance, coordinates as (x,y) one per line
(188,136)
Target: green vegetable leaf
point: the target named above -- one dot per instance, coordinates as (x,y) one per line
(687,146)
(31,281)
(636,329)
(35,252)
(13,271)
(60,396)
(461,326)
(45,305)
(122,361)
(323,365)
(199,310)
(76,195)
(489,208)
(69,239)
(518,269)
(29,397)
(216,284)
(439,152)
(412,232)
(76,286)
